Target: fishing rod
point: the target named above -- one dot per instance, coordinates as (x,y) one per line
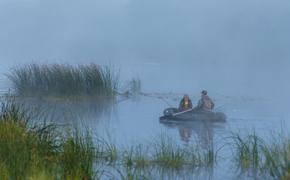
(165,102)
(175,114)
(157,97)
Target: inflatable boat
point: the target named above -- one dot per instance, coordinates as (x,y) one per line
(173,114)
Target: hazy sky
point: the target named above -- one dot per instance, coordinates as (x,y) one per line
(216,44)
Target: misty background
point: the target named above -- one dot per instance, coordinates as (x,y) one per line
(229,47)
(238,50)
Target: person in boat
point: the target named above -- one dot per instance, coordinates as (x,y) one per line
(205,103)
(185,103)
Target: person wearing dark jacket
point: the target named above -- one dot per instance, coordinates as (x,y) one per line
(185,103)
(205,103)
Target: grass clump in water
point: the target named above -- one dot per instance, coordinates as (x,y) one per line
(131,173)
(39,151)
(249,151)
(106,151)
(59,80)
(4,173)
(135,86)
(170,155)
(77,156)
(22,148)
(137,156)
(252,154)
(277,159)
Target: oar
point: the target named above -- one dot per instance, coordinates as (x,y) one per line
(175,114)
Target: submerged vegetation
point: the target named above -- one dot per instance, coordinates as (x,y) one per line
(59,80)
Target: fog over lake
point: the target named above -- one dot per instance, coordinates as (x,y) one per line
(236,47)
(238,50)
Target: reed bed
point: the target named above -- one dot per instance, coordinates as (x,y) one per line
(135,86)
(248,151)
(254,155)
(277,159)
(137,156)
(59,80)
(43,151)
(162,153)
(23,147)
(77,157)
(168,154)
(40,151)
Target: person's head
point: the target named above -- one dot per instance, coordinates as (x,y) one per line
(203,92)
(186,97)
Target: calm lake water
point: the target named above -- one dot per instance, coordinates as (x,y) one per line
(237,50)
(136,119)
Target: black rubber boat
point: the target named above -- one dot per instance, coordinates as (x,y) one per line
(172,114)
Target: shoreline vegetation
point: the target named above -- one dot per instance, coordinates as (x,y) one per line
(64,81)
(31,148)
(33,151)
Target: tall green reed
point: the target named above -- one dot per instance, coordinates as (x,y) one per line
(22,147)
(33,151)
(59,80)
(169,154)
(137,157)
(254,155)
(77,156)
(277,158)
(248,151)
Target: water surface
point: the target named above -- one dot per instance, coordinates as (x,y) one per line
(237,50)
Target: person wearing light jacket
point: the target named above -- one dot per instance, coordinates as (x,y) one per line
(205,103)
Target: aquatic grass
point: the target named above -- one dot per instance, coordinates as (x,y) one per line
(21,147)
(39,150)
(41,175)
(170,155)
(277,159)
(33,151)
(48,142)
(15,142)
(77,156)
(137,156)
(131,173)
(15,149)
(11,111)
(254,155)
(106,150)
(201,157)
(30,150)
(248,151)
(60,80)
(4,173)
(135,86)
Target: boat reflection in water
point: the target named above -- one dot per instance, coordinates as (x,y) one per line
(190,123)
(202,130)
